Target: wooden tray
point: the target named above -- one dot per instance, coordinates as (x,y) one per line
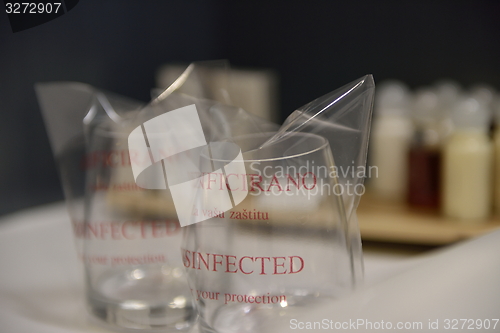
(396,222)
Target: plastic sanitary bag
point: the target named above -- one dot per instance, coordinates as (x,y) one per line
(267,213)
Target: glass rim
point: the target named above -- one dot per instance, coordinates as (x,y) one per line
(323,144)
(113,134)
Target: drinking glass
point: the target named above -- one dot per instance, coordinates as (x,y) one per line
(129,246)
(283,249)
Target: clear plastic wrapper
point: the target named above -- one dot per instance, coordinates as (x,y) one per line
(293,241)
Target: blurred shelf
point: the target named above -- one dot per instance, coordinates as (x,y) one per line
(396,222)
(379,220)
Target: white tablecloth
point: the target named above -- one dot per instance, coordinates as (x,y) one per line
(41,280)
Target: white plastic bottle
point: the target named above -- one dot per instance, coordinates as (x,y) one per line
(467,164)
(392,132)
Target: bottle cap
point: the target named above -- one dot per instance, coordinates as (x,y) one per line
(448,93)
(469,113)
(392,98)
(425,105)
(484,94)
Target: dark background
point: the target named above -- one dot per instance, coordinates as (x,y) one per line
(314,46)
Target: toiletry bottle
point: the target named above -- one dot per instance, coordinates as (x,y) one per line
(496,143)
(391,135)
(467,164)
(448,93)
(424,154)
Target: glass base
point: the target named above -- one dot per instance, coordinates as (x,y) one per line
(143,298)
(252,318)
